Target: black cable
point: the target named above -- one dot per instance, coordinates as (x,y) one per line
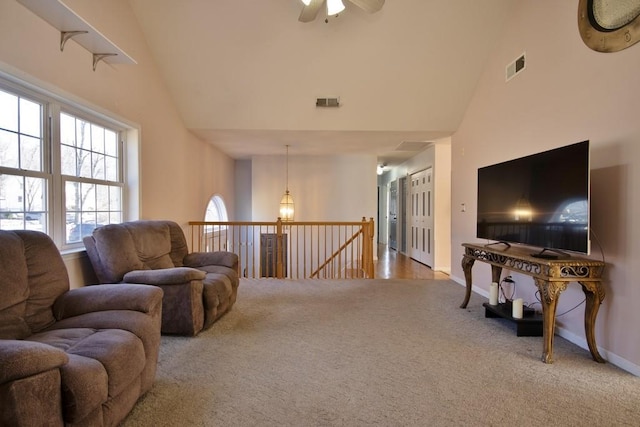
(571,309)
(595,236)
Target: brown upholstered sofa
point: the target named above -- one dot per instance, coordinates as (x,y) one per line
(70,357)
(198,287)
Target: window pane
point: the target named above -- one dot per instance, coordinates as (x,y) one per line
(67,129)
(115,217)
(8,111)
(111,169)
(68,159)
(88,196)
(72,196)
(98,166)
(102,197)
(83,134)
(34,194)
(86,157)
(75,232)
(111,143)
(30,153)
(115,203)
(97,138)
(22,203)
(84,163)
(216,210)
(11,194)
(9,149)
(30,118)
(89,218)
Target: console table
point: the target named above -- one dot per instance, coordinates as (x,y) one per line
(551,276)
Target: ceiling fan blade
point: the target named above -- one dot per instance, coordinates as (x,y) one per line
(310,12)
(370,6)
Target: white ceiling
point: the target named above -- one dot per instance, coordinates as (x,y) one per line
(245,74)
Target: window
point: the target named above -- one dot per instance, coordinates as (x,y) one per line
(216,235)
(90,159)
(61,167)
(216,212)
(23,176)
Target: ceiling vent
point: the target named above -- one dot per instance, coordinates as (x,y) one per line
(412,146)
(515,67)
(327,102)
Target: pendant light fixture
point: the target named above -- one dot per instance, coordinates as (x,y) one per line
(286,203)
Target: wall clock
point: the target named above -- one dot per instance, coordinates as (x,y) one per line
(609,25)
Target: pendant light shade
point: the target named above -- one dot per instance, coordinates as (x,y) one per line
(287,208)
(334,7)
(306,2)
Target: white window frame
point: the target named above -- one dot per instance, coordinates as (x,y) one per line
(216,235)
(220,209)
(54,102)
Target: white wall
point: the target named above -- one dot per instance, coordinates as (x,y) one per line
(243,191)
(179,172)
(324,188)
(566,94)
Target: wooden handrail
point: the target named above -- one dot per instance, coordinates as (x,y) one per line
(297,249)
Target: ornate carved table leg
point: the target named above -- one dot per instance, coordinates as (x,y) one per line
(467,263)
(549,292)
(594,294)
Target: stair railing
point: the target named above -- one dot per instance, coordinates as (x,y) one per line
(329,250)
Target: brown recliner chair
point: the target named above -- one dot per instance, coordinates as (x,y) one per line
(198,287)
(70,357)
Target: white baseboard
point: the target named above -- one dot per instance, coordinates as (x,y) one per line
(444,270)
(609,356)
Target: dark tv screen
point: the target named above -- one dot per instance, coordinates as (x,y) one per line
(540,200)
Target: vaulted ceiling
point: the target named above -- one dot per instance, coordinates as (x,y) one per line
(245,74)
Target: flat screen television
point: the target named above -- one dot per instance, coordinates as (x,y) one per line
(540,200)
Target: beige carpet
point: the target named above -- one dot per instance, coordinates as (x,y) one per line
(382,353)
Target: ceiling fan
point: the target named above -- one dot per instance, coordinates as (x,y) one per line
(334,7)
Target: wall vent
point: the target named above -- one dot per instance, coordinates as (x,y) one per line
(516,67)
(412,146)
(327,102)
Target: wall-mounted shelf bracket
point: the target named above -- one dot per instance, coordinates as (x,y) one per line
(73,26)
(66,35)
(97,57)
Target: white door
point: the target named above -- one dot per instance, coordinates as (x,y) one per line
(421,239)
(383,203)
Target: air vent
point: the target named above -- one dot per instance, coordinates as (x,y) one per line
(327,102)
(516,67)
(412,146)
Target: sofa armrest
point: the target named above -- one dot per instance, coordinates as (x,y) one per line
(122,296)
(164,276)
(200,259)
(21,359)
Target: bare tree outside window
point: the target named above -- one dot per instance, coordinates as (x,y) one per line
(90,167)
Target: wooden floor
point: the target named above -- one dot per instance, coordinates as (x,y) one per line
(394,265)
